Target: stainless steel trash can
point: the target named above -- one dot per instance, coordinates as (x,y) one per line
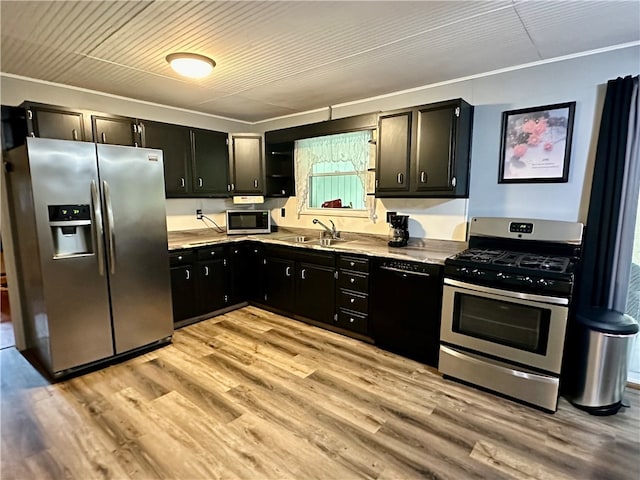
(603,342)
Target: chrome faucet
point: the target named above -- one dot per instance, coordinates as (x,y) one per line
(332,231)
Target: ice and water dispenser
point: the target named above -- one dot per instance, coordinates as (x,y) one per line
(70,230)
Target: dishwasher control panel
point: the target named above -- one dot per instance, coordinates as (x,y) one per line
(409,267)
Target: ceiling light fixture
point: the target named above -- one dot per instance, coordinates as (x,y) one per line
(191,64)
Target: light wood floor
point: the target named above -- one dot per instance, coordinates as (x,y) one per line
(253,395)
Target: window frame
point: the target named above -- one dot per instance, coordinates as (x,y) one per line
(343,212)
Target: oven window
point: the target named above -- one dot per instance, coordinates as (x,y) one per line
(511,324)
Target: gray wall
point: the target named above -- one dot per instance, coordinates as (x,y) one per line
(15,90)
(579,79)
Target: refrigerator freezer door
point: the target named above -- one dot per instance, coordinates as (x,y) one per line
(132,184)
(74,290)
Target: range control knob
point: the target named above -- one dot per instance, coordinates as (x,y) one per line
(527,280)
(543,282)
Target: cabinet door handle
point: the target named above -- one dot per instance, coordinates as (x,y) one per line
(74,134)
(453,182)
(182,182)
(233,187)
(423,177)
(104,137)
(213,253)
(188,274)
(206,271)
(287,271)
(199,181)
(228,187)
(255,183)
(400,178)
(302,274)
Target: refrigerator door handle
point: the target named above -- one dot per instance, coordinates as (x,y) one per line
(111,239)
(99,233)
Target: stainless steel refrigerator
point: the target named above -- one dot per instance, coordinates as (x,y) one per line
(90,238)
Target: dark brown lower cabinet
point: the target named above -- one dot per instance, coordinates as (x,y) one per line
(245,272)
(279,286)
(315,292)
(199,282)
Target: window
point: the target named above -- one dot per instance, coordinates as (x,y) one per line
(633,302)
(333,172)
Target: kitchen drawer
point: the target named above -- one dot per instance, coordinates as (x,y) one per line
(210,252)
(181,257)
(358,264)
(358,282)
(357,302)
(353,321)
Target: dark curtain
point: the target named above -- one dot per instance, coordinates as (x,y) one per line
(609,190)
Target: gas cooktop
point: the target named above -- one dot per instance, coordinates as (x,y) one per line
(509,260)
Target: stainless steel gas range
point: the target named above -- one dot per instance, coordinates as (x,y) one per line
(506,306)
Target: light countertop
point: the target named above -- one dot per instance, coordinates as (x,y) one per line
(419,249)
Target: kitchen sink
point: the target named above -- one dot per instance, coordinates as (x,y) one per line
(325,242)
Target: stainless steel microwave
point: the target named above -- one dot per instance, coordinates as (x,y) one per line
(248,221)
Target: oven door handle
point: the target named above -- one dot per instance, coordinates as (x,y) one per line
(507,293)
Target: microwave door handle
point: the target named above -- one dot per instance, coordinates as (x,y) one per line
(97,227)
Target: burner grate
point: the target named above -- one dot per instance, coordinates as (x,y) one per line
(514,260)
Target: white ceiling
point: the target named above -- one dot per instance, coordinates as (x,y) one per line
(276,58)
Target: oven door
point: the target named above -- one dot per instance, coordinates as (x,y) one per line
(522,328)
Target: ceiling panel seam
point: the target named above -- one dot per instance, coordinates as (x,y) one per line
(135,15)
(524,26)
(361,52)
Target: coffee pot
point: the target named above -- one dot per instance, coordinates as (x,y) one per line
(398,230)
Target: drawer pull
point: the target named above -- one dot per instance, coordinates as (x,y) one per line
(179,257)
(352,300)
(213,253)
(352,280)
(352,263)
(351,320)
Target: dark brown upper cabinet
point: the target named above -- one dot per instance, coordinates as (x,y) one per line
(424,151)
(115,130)
(49,121)
(394,152)
(175,143)
(196,161)
(247,164)
(210,163)
(280,181)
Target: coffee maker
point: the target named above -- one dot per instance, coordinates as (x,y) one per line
(398,230)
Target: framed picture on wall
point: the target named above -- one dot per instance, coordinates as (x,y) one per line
(536,144)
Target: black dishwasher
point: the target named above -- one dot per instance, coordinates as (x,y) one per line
(406,308)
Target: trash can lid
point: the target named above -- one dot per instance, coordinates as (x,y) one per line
(606,320)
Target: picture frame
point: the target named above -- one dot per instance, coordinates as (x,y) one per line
(536,144)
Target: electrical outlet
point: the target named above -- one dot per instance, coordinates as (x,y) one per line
(199,214)
(282,212)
